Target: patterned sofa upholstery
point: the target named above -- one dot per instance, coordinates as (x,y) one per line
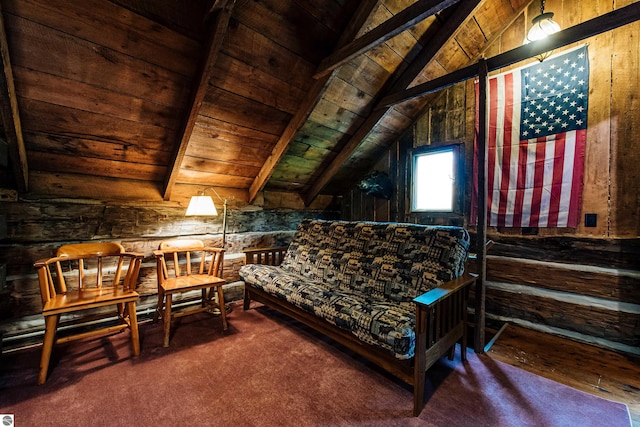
(362,277)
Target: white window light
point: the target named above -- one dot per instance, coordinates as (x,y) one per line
(433,181)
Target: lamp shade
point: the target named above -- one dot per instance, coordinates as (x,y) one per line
(543,26)
(201,205)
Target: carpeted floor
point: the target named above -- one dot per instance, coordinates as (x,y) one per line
(267,370)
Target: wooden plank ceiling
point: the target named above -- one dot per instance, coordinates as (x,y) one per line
(147,99)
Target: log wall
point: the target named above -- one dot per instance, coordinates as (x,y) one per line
(581,283)
(37,227)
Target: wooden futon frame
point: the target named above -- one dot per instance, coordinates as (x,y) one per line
(441,319)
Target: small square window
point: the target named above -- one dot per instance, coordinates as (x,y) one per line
(433,181)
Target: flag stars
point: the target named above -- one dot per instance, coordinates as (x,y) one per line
(554,97)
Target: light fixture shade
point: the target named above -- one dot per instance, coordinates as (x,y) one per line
(201,205)
(543,26)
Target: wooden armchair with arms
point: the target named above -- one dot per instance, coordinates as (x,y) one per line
(86,276)
(185,265)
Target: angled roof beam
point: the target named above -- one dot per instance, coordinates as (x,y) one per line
(593,27)
(217,30)
(11,117)
(313,95)
(428,52)
(393,26)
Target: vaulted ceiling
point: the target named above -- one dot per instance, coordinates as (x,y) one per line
(149,98)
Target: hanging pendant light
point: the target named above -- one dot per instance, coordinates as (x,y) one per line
(542,26)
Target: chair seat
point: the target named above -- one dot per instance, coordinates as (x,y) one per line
(185,265)
(192,282)
(87,298)
(82,277)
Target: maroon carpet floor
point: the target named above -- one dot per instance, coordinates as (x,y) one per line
(267,370)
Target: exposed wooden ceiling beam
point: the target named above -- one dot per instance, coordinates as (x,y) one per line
(313,95)
(221,10)
(448,30)
(393,26)
(593,27)
(11,116)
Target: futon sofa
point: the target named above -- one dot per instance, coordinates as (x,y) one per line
(393,293)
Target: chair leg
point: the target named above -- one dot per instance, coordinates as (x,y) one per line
(223,310)
(51,324)
(204,297)
(247,299)
(159,305)
(121,310)
(133,324)
(166,319)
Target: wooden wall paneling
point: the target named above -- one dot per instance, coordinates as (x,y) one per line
(294,168)
(51,162)
(235,109)
(451,57)
(217,30)
(347,96)
(381,206)
(334,18)
(455,120)
(468,36)
(413,107)
(625,132)
(612,253)
(596,190)
(278,185)
(116,28)
(319,136)
(207,147)
(123,151)
(218,166)
(438,121)
(393,120)
(600,323)
(599,282)
(245,44)
(40,86)
(368,74)
(46,118)
(288,25)
(335,117)
(54,185)
(172,14)
(307,152)
(50,51)
(187,176)
(13,144)
(382,54)
(417,30)
(253,83)
(212,128)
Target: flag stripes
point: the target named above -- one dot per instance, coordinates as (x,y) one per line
(536,181)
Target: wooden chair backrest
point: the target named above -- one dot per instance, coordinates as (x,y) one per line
(184,257)
(87,265)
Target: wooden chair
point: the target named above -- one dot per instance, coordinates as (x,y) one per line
(87,276)
(183,266)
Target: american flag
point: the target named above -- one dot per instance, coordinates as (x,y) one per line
(536,137)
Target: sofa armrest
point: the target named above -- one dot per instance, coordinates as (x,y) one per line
(435,295)
(441,320)
(266,256)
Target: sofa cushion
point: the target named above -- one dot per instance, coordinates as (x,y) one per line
(391,261)
(381,323)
